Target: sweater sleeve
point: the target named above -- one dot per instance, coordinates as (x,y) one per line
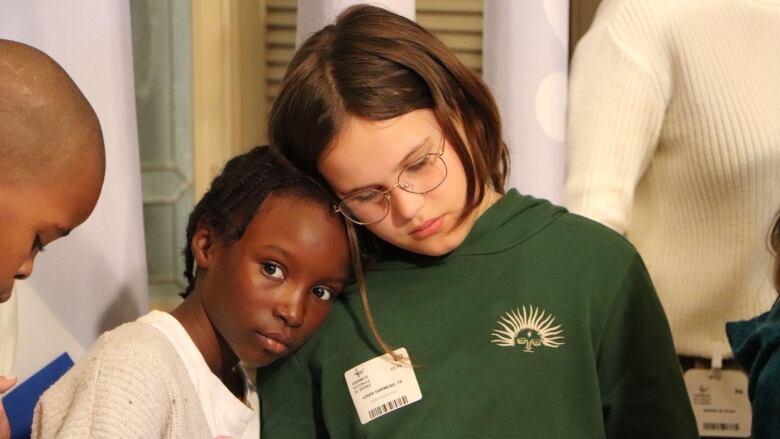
(616,108)
(642,390)
(288,399)
(112,392)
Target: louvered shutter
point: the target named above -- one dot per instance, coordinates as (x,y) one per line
(458,23)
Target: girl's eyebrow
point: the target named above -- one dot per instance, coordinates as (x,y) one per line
(279,250)
(334,280)
(412,154)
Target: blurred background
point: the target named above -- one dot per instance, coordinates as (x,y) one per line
(206,74)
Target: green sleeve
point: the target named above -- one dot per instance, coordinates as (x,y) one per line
(287,401)
(643,393)
(766,401)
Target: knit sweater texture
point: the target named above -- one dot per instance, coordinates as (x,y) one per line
(674,141)
(131,384)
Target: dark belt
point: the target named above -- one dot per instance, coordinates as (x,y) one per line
(705,363)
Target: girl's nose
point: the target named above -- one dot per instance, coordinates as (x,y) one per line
(25,270)
(291,307)
(405,205)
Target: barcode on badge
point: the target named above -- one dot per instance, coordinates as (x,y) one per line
(719,426)
(387,407)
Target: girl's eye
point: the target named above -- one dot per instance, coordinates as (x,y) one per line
(420,163)
(323,293)
(38,244)
(273,270)
(366,196)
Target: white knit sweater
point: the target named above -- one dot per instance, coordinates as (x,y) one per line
(674,140)
(131,384)
(8,331)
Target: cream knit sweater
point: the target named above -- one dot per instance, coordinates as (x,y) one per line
(131,384)
(674,141)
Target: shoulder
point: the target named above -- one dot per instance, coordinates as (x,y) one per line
(588,239)
(135,354)
(134,344)
(639,13)
(637,32)
(594,262)
(125,383)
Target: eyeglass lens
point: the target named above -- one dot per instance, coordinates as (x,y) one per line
(419,177)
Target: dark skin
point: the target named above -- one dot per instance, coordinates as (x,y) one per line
(221,359)
(52,166)
(53,154)
(261,297)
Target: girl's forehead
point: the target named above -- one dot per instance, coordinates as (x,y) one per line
(363,142)
(369,154)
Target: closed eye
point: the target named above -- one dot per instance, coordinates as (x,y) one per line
(421,163)
(38,244)
(273,270)
(366,196)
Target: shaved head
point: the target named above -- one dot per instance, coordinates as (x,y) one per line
(52,159)
(47,126)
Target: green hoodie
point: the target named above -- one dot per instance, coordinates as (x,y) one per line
(542,324)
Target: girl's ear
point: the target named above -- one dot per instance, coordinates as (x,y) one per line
(202,246)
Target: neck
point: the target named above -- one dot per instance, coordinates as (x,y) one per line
(221,360)
(490,198)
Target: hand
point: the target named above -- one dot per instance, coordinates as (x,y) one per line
(5,384)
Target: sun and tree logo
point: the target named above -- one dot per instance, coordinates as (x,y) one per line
(529,328)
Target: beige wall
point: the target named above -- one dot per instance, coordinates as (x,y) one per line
(228,82)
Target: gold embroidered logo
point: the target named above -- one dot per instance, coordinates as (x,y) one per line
(529,328)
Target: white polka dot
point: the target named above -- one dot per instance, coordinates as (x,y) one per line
(550,105)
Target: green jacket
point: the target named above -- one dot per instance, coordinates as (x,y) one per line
(584,350)
(756,345)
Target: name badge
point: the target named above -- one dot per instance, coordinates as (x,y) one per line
(720,402)
(382,385)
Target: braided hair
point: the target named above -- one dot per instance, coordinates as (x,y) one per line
(236,194)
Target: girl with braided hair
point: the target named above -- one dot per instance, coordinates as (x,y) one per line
(267,255)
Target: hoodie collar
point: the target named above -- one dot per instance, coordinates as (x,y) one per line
(511,220)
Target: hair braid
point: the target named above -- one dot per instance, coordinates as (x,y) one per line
(235,195)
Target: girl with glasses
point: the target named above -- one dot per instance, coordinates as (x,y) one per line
(500,315)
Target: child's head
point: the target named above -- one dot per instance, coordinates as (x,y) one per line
(271,255)
(52,158)
(365,97)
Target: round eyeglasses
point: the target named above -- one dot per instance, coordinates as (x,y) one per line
(421,176)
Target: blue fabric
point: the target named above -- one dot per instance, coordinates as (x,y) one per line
(20,402)
(756,346)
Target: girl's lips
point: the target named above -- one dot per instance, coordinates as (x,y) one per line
(270,343)
(5,294)
(427,228)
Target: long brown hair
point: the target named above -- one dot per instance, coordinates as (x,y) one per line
(377,65)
